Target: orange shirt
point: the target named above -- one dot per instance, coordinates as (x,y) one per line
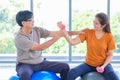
(97,48)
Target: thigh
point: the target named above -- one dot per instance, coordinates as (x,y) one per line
(108,68)
(51,66)
(109,73)
(24,68)
(82,69)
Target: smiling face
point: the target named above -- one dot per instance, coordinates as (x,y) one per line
(102,23)
(29,23)
(97,25)
(25,19)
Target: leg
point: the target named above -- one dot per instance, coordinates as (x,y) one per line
(109,73)
(24,71)
(79,71)
(56,67)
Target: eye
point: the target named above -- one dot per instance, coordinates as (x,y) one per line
(30,20)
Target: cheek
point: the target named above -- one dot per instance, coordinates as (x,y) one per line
(96,26)
(31,23)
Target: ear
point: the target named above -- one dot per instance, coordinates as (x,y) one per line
(23,22)
(104,25)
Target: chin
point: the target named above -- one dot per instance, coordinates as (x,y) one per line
(32,26)
(95,28)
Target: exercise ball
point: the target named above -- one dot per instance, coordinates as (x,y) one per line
(44,75)
(15,77)
(93,76)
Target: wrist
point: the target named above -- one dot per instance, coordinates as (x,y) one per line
(102,66)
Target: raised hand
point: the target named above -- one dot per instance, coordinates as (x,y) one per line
(60,25)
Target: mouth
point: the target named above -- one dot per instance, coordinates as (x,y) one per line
(95,27)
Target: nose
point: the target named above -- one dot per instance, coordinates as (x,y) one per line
(32,21)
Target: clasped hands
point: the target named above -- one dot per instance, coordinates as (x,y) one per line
(100,69)
(63,27)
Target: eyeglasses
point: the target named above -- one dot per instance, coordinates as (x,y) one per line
(29,20)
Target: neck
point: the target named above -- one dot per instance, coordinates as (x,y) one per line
(26,30)
(99,32)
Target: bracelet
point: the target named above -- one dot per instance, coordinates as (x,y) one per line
(63,27)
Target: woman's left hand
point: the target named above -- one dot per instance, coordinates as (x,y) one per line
(100,69)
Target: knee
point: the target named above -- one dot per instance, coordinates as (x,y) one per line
(66,67)
(72,73)
(111,75)
(109,72)
(25,73)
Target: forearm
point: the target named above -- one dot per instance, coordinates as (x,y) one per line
(68,38)
(76,32)
(107,61)
(47,44)
(53,33)
(73,32)
(70,41)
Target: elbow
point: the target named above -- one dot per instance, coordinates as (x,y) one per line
(41,49)
(74,42)
(38,48)
(110,54)
(71,42)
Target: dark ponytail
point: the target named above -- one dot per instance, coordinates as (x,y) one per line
(104,20)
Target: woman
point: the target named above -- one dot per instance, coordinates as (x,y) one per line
(100,48)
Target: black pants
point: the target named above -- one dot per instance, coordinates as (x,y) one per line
(26,70)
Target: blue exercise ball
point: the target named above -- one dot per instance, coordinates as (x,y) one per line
(93,76)
(15,77)
(44,75)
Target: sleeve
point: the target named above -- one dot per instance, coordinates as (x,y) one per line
(43,32)
(23,43)
(111,43)
(83,36)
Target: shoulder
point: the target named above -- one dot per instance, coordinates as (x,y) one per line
(109,36)
(18,34)
(88,31)
(39,29)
